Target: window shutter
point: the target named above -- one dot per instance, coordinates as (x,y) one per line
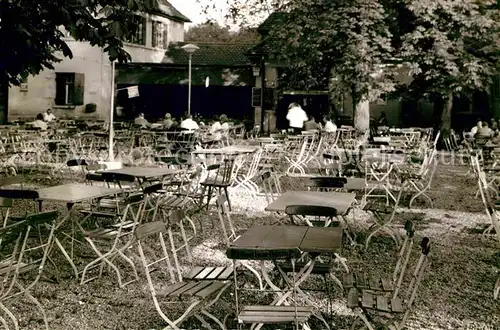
(60,89)
(79,88)
(165,36)
(155,34)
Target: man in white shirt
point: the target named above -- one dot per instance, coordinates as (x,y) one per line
(296,117)
(48,116)
(476,128)
(330,126)
(189,124)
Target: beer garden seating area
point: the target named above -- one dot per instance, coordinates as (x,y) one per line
(310,231)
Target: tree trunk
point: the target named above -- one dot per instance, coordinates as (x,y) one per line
(362,116)
(446,115)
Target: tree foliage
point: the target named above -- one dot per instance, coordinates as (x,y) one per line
(213,32)
(243,13)
(343,42)
(453,47)
(32,38)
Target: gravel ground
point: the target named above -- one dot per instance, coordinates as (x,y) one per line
(457,292)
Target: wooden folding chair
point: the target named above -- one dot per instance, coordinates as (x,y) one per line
(361,281)
(392,309)
(113,240)
(221,181)
(199,296)
(270,186)
(28,256)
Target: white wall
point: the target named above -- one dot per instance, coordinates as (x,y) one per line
(95,64)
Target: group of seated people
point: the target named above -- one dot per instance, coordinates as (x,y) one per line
(218,126)
(483,130)
(43,120)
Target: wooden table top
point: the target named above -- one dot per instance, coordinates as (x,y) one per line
(281,242)
(74,193)
(146,172)
(338,200)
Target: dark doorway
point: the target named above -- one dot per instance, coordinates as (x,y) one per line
(315,105)
(156,100)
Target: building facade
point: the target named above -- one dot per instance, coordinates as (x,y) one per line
(81,87)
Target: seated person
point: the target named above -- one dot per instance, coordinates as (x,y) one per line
(141,121)
(216,127)
(48,116)
(168,122)
(496,137)
(189,124)
(39,123)
(474,129)
(224,122)
(330,126)
(484,131)
(311,125)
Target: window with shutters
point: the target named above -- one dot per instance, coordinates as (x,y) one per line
(158,35)
(69,88)
(139,37)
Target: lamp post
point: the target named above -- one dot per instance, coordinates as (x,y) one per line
(190,49)
(111,154)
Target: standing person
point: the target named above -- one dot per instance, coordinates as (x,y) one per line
(48,116)
(330,126)
(296,117)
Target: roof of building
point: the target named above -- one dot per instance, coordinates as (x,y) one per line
(209,54)
(166,9)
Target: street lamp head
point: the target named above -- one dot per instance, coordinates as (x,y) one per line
(190,48)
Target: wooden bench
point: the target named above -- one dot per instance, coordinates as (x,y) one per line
(275,314)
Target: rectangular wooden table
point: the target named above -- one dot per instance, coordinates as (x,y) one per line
(282,242)
(342,202)
(73,193)
(146,173)
(286,243)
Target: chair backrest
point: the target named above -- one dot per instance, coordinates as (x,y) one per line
(328,183)
(117,178)
(271,186)
(76,162)
(19,194)
(152,259)
(321,213)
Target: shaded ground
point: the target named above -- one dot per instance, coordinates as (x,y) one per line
(455,294)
